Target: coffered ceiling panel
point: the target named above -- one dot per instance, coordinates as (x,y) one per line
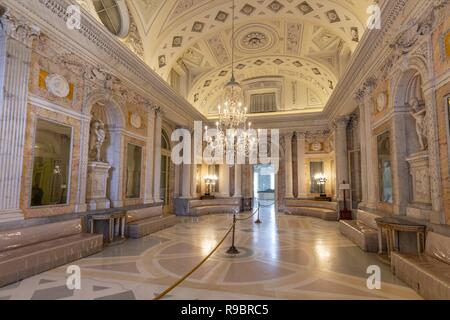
(308,41)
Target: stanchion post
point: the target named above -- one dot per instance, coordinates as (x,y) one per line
(233,249)
(258,221)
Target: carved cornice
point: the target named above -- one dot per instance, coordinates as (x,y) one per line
(103,50)
(17,29)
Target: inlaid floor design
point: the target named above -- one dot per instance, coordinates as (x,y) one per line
(285,257)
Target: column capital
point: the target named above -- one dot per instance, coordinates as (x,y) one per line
(16,29)
(300,135)
(289,136)
(342,121)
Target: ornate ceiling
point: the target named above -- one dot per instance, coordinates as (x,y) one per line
(306,44)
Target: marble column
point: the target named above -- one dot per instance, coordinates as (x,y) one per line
(371,163)
(288,166)
(400,168)
(341,154)
(177,182)
(363,148)
(238,181)
(195,174)
(301,146)
(157,159)
(224,180)
(149,170)
(15,56)
(194,180)
(186,183)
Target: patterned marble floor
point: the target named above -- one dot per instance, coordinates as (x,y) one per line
(286,257)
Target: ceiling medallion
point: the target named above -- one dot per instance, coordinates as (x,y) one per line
(255,40)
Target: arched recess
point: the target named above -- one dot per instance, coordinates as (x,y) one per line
(408,88)
(101,105)
(411,185)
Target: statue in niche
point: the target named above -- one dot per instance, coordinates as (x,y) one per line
(419,113)
(98,137)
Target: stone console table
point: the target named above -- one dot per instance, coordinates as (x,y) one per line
(112,225)
(393,226)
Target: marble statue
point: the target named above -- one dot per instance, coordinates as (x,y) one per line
(98,137)
(419,115)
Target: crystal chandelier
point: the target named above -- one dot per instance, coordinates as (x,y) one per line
(233,131)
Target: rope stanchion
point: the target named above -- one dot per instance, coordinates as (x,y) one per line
(176,284)
(258,221)
(233,250)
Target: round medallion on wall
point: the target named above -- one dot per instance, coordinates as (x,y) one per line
(136,120)
(57,85)
(381,101)
(316,146)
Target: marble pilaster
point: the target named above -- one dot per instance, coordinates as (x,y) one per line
(237,181)
(224,180)
(149,170)
(15,57)
(301,170)
(288,166)
(157,159)
(341,154)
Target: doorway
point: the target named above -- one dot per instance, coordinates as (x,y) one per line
(264,183)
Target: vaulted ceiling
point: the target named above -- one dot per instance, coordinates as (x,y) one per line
(306,44)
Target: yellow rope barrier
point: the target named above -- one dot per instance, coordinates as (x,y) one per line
(176,284)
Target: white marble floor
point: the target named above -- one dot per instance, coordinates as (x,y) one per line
(285,257)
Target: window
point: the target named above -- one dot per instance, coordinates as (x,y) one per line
(260,103)
(114,15)
(316,169)
(384,168)
(134,164)
(51,164)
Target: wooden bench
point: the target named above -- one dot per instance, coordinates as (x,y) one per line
(214,206)
(363,231)
(428,273)
(143,222)
(318,209)
(29,251)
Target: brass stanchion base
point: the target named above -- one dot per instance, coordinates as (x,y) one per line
(258,221)
(233,250)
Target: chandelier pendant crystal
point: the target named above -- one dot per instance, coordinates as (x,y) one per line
(234,134)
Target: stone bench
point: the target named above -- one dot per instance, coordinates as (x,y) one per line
(143,222)
(317,209)
(429,273)
(363,231)
(214,206)
(32,250)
